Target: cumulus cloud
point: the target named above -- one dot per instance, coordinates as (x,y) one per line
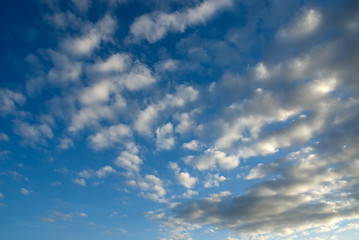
(33,133)
(213,180)
(212,159)
(152,187)
(4,137)
(104,171)
(155,26)
(129,161)
(305,23)
(25,191)
(86,44)
(80,181)
(9,101)
(108,136)
(164,137)
(192,145)
(65,143)
(147,117)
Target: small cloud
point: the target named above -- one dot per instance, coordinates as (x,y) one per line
(4,137)
(24,191)
(80,181)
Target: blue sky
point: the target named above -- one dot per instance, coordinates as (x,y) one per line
(179,120)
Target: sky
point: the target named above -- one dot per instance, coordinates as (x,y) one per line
(179,119)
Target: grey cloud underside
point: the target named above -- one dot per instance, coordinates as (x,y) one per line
(315,98)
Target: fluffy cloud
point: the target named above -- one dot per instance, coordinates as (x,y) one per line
(213,180)
(164,137)
(155,26)
(183,178)
(129,161)
(9,101)
(86,44)
(25,191)
(304,24)
(147,117)
(109,136)
(211,159)
(152,187)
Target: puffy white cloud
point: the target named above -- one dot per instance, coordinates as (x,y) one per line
(115,63)
(164,137)
(33,134)
(211,159)
(9,101)
(108,136)
(147,117)
(155,26)
(80,182)
(66,143)
(129,161)
(84,45)
(65,70)
(25,191)
(82,5)
(186,180)
(305,23)
(183,178)
(152,187)
(192,145)
(104,171)
(213,180)
(4,137)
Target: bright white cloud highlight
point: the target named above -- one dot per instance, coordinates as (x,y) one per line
(155,26)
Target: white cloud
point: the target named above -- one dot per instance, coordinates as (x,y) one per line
(84,45)
(33,134)
(24,191)
(305,23)
(186,180)
(115,63)
(82,5)
(147,117)
(65,70)
(1,195)
(164,137)
(213,180)
(104,171)
(129,161)
(211,159)
(66,143)
(152,187)
(9,101)
(80,181)
(192,145)
(155,26)
(108,136)
(4,137)
(183,178)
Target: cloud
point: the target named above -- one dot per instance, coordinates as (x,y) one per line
(211,159)
(183,178)
(147,118)
(33,134)
(65,143)
(80,181)
(104,171)
(152,188)
(24,191)
(108,136)
(86,44)
(164,137)
(155,26)
(305,23)
(129,161)
(4,137)
(193,145)
(9,101)
(82,5)
(213,180)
